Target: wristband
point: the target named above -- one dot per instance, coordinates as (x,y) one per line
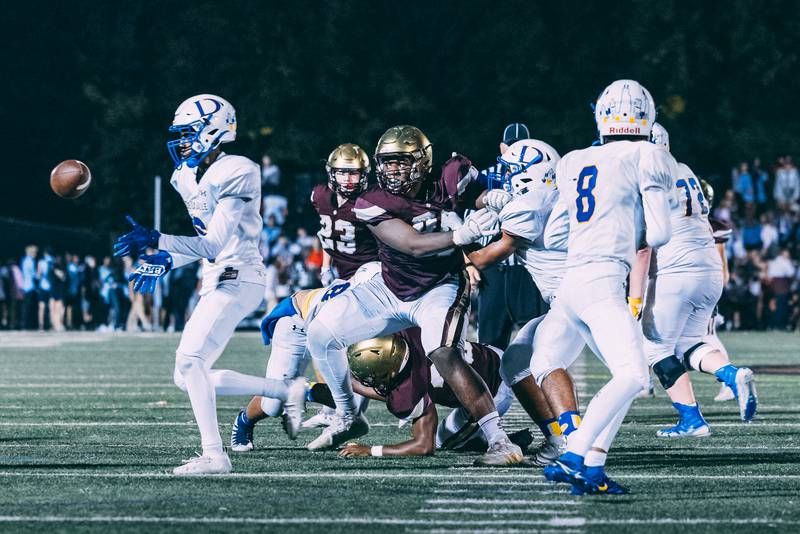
(469,264)
(376,450)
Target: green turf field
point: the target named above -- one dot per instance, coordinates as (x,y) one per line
(90,425)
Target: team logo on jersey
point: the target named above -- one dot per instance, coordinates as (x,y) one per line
(199,226)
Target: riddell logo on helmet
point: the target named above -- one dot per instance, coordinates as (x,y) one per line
(625,130)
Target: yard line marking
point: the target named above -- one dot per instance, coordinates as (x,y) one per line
(501,491)
(494,511)
(527,502)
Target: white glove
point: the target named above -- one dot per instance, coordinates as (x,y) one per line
(495,199)
(451,221)
(479,224)
(326,277)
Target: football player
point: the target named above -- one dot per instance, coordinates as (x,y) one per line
(616,193)
(394,369)
(534,225)
(347,244)
(422,283)
(684,287)
(222,194)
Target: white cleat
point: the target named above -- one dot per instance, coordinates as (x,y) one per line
(725,394)
(343,429)
(746,394)
(294,407)
(219,464)
(501,453)
(321,420)
(548,451)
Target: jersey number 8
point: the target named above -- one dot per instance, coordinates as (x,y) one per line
(345,242)
(587,181)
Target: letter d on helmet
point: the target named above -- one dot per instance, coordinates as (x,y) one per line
(201,123)
(625,108)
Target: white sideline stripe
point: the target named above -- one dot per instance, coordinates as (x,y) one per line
(463,478)
(527,502)
(495,511)
(556,522)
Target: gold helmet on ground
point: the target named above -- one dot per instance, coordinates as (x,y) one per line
(708,191)
(377,362)
(346,158)
(413,152)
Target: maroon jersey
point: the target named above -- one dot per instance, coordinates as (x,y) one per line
(347,240)
(722,231)
(420,384)
(406,276)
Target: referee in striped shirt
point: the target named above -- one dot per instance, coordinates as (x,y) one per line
(507,296)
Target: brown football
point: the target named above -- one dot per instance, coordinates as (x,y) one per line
(70,178)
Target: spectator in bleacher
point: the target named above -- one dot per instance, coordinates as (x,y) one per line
(769,232)
(269,235)
(787,184)
(760,182)
(72,300)
(93,304)
(780,274)
(137,314)
(58,285)
(751,231)
(270,175)
(743,184)
(29,288)
(15,293)
(44,287)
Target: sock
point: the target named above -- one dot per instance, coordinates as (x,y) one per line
(569,422)
(492,427)
(310,392)
(727,375)
(227,382)
(549,427)
(595,473)
(595,459)
(572,460)
(243,418)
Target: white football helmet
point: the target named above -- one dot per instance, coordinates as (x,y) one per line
(202,123)
(529,163)
(659,136)
(625,108)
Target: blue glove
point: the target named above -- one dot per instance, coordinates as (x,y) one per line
(146,276)
(285,308)
(138,239)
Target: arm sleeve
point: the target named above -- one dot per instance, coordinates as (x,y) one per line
(179,260)
(223,223)
(658,170)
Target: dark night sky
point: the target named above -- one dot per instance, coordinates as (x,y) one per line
(98,81)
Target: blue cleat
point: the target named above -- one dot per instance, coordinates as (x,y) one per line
(690,424)
(242,434)
(567,468)
(745,392)
(596,482)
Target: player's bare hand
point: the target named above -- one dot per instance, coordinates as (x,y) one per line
(353,450)
(474,276)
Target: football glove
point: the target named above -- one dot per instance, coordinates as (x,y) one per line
(138,239)
(481,223)
(495,199)
(451,221)
(636,307)
(145,277)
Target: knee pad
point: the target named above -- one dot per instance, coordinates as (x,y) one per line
(321,339)
(271,407)
(668,371)
(693,357)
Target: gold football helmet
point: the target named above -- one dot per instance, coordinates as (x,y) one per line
(411,153)
(708,191)
(378,362)
(346,158)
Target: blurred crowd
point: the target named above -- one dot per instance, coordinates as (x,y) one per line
(762,204)
(44,290)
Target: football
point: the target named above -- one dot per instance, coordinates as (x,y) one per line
(70,178)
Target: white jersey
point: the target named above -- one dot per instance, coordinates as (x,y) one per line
(543,222)
(601,187)
(309,302)
(691,248)
(228,177)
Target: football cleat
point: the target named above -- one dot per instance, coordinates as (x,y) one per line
(500,453)
(342,430)
(324,418)
(567,469)
(725,394)
(218,464)
(686,429)
(746,394)
(294,407)
(596,482)
(548,451)
(241,434)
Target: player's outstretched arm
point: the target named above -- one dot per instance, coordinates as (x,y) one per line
(495,252)
(422,442)
(222,226)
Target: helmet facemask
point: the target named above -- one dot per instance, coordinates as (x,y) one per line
(399,173)
(201,123)
(350,189)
